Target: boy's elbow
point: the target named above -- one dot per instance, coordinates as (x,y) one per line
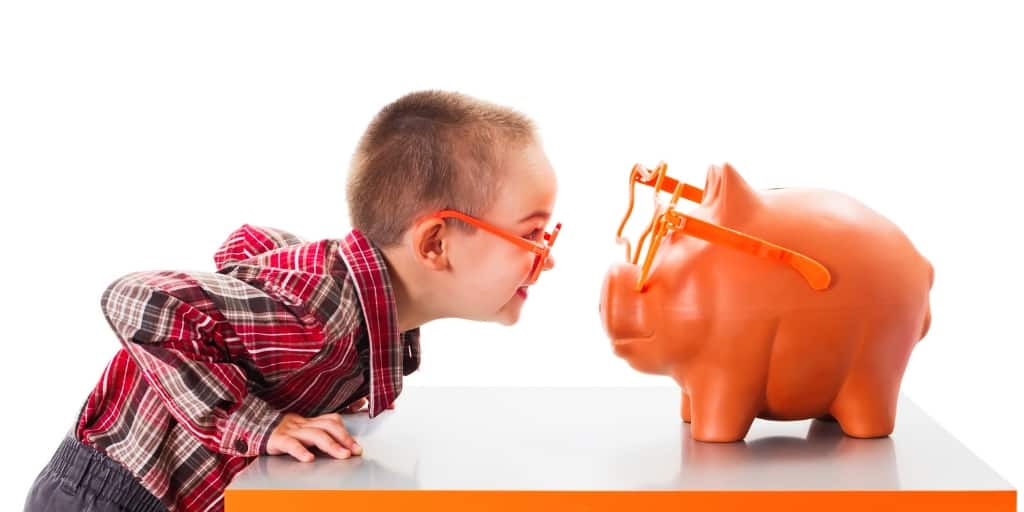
(113,303)
(126,303)
(145,307)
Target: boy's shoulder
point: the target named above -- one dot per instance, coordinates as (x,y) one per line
(275,249)
(336,272)
(285,265)
(262,246)
(248,242)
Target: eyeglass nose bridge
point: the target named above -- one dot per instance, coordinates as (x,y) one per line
(541,258)
(659,180)
(668,221)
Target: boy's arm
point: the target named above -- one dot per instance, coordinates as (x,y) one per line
(183,355)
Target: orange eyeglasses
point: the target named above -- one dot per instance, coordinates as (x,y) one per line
(540,249)
(667,219)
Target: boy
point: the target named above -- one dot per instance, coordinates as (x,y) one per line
(449,198)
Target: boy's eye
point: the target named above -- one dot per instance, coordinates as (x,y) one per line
(533,235)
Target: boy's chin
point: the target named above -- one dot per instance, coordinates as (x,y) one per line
(508,315)
(507,320)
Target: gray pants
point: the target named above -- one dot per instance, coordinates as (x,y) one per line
(80,478)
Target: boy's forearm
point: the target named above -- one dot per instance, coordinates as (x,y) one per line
(180,353)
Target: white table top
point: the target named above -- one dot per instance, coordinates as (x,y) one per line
(627,438)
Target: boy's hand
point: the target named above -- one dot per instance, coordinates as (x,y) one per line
(326,432)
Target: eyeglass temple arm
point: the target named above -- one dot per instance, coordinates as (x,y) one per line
(669,185)
(816,275)
(526,244)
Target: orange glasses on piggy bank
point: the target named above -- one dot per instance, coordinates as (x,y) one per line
(668,220)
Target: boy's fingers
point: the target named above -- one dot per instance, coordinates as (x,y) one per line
(294,448)
(337,430)
(321,439)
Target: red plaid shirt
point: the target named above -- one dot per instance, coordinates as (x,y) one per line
(210,361)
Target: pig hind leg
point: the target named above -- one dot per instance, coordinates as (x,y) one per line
(865,406)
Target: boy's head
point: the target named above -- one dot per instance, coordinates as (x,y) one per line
(433,151)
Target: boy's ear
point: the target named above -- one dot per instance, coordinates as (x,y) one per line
(430,243)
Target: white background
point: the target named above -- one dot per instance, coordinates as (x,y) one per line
(136,136)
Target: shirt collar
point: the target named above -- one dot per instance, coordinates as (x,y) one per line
(392,355)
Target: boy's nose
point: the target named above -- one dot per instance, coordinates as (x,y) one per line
(549,263)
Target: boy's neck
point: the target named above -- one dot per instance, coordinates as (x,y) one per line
(411,313)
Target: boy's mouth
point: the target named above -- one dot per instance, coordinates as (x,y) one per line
(521,291)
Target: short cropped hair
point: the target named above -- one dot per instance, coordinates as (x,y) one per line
(429,151)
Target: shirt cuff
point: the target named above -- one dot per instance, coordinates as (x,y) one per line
(247,430)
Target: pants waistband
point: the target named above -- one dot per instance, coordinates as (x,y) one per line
(77,465)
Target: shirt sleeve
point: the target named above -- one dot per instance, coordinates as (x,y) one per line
(184,354)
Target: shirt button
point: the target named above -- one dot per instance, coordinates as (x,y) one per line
(241,445)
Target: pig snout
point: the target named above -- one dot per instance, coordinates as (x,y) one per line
(622,309)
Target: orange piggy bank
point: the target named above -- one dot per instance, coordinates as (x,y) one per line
(783,304)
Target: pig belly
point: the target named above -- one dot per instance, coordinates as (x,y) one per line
(811,357)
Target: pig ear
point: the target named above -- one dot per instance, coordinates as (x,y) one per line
(728,194)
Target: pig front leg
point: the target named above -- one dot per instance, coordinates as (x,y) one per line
(724,385)
(715,424)
(685,408)
(723,410)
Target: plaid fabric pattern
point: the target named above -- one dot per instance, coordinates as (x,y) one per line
(210,361)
